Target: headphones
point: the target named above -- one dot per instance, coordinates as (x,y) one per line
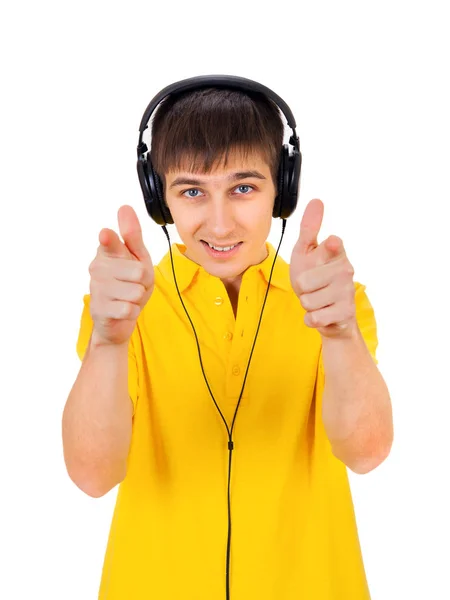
(290,163)
(284,206)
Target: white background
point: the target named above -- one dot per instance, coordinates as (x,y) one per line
(367,83)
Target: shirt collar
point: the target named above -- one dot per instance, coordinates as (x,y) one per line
(187,271)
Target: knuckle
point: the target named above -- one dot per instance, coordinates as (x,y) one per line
(97,311)
(93,310)
(128,310)
(305,301)
(134,311)
(111,310)
(344,277)
(125,309)
(93,267)
(349,270)
(94,292)
(97,267)
(302,282)
(140,273)
(351,297)
(116,310)
(137,293)
(351,311)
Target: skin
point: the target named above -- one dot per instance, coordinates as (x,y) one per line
(356,406)
(224,212)
(322,278)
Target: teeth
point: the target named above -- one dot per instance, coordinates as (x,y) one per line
(222,249)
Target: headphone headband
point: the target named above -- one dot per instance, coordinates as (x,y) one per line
(290,163)
(225,81)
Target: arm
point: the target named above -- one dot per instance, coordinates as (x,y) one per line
(98,416)
(97,420)
(356,406)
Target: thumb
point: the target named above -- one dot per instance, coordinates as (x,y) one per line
(310,226)
(131,232)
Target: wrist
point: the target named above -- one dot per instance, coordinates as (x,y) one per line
(97,341)
(350,334)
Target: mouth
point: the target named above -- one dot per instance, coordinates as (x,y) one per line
(221,251)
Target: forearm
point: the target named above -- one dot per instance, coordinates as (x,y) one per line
(356,406)
(97,420)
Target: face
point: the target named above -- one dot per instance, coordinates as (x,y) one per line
(231,206)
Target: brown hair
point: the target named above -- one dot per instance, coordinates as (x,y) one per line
(197,130)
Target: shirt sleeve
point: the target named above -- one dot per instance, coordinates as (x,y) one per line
(84,335)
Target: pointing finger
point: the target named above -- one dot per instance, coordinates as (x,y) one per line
(111,245)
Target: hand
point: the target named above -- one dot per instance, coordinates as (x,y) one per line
(322,277)
(122,280)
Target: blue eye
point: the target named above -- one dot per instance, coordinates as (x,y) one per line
(191,190)
(245,186)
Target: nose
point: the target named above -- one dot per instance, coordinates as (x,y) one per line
(221,218)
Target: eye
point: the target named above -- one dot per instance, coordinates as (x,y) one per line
(244,185)
(190,190)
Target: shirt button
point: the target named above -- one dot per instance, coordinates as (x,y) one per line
(236,370)
(228,336)
(218,301)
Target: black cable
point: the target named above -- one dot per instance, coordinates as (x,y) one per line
(230,431)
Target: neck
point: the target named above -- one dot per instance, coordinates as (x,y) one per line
(233,288)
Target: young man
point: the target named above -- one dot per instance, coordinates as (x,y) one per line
(314,403)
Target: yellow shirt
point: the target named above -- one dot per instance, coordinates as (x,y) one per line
(294,533)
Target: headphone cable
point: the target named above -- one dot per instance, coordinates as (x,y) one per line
(230,431)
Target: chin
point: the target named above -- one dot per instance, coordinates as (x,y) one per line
(223,271)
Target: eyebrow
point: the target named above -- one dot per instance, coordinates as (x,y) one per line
(231,177)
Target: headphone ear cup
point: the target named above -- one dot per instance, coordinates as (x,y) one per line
(281,185)
(163,208)
(277,204)
(288,183)
(294,169)
(143,180)
(153,194)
